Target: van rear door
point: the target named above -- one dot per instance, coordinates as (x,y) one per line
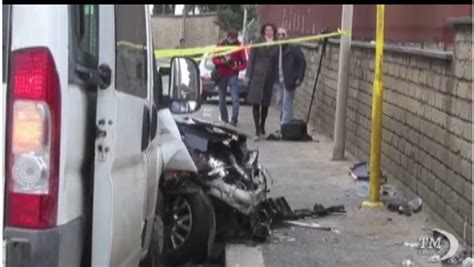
(123,135)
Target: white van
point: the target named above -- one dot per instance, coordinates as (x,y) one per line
(82,156)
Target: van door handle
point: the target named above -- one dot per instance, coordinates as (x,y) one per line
(105,74)
(154,122)
(99,133)
(146,127)
(102,77)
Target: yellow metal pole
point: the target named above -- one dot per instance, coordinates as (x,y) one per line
(377,111)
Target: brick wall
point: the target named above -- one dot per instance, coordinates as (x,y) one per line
(427,118)
(403,23)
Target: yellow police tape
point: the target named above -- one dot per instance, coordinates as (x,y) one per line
(223,50)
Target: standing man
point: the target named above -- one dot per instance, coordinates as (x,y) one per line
(292,68)
(182,44)
(229,67)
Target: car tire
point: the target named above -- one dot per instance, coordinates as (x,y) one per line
(155,250)
(196,245)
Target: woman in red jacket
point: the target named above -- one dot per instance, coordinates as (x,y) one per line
(229,67)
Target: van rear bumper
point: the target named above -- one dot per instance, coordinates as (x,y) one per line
(59,246)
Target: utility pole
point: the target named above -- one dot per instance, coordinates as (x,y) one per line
(342,85)
(377,111)
(183,23)
(244,26)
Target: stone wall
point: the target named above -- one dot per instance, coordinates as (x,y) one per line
(200,30)
(427,118)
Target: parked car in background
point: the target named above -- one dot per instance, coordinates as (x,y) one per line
(209,88)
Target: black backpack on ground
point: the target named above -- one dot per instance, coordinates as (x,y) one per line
(295,130)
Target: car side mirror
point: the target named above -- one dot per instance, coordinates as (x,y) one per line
(184,86)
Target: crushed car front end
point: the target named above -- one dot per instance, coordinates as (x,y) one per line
(222,198)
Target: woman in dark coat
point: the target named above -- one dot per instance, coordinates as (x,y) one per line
(262,72)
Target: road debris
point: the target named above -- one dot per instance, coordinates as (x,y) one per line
(406,244)
(362,187)
(280,238)
(434,259)
(360,172)
(407,262)
(411,245)
(279,209)
(313,226)
(273,212)
(387,190)
(396,202)
(402,205)
(468,262)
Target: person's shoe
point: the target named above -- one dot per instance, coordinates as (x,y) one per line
(234,122)
(257,135)
(262,130)
(225,120)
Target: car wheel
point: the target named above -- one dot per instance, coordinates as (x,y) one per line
(153,258)
(188,226)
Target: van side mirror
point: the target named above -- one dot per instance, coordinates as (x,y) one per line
(184,86)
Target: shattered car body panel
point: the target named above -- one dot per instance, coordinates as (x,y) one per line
(175,154)
(225,166)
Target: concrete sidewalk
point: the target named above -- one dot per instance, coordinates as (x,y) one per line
(305,175)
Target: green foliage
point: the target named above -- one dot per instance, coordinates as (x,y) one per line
(230,17)
(253,31)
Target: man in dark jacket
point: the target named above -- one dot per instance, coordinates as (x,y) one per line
(229,67)
(291,69)
(182,44)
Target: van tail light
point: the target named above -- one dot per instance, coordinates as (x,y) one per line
(33,139)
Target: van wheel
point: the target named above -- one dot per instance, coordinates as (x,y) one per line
(188,226)
(153,258)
